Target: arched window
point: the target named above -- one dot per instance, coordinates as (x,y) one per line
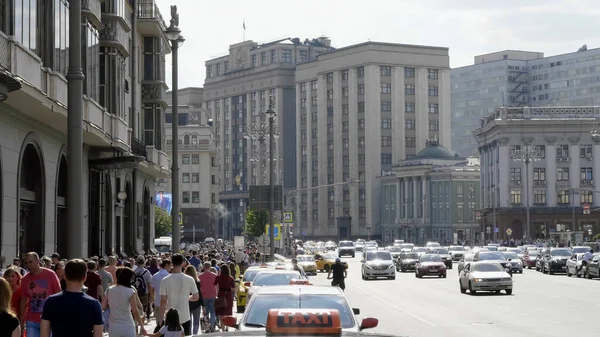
(194,139)
(186,140)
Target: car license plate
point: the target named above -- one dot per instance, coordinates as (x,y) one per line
(433,270)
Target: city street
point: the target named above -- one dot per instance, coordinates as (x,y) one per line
(541,305)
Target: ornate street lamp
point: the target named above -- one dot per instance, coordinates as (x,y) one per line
(527,155)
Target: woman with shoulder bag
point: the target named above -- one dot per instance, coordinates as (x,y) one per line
(224,302)
(195,306)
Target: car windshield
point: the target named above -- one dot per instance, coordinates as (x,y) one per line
(346,244)
(305,259)
(410,256)
(532,252)
(394,249)
(162,248)
(258,309)
(561,252)
(511,255)
(491,256)
(275,279)
(371,244)
(250,275)
(430,258)
(360,244)
(407,246)
(515,250)
(378,255)
(487,267)
(419,249)
(580,250)
(457,249)
(491,248)
(440,251)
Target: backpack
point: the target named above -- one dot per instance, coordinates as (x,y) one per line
(140,284)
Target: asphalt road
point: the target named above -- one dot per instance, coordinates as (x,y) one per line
(541,305)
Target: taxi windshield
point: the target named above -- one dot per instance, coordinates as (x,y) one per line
(250,274)
(260,306)
(346,244)
(275,279)
(487,267)
(305,259)
(378,255)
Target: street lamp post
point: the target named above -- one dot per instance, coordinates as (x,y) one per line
(173,34)
(271,115)
(424,203)
(526,156)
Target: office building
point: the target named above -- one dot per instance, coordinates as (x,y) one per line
(198,160)
(555,184)
(431,197)
(519,78)
(122,161)
(236,92)
(362,108)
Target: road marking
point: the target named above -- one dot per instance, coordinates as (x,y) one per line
(419,318)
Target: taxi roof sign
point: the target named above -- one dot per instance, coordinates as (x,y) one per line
(304,321)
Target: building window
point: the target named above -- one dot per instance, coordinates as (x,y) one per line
(153,59)
(218,69)
(515,175)
(345,160)
(112,81)
(286,55)
(409,124)
(433,108)
(362,212)
(196,197)
(409,89)
(254,61)
(329,94)
(386,123)
(539,174)
(330,145)
(302,55)
(263,58)
(360,72)
(410,141)
(539,197)
(409,107)
(345,92)
(315,214)
(345,75)
(185,177)
(313,85)
(385,71)
(361,124)
(346,195)
(361,89)
(587,174)
(196,178)
(386,88)
(434,125)
(432,91)
(186,197)
(562,173)
(409,72)
(361,159)
(515,197)
(153,117)
(460,213)
(185,159)
(361,107)
(515,150)
(432,74)
(345,126)
(386,158)
(386,106)
(586,197)
(225,67)
(585,151)
(563,197)
(562,151)
(91,62)
(330,196)
(330,78)
(386,141)
(330,128)
(346,143)
(274,56)
(540,151)
(345,109)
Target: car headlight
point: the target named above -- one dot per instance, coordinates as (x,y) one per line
(390,266)
(478,280)
(367,266)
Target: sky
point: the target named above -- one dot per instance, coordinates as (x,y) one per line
(466,27)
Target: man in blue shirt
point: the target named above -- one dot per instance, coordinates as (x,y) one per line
(71,312)
(195,261)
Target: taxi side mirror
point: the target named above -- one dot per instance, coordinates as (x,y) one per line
(368,323)
(229,321)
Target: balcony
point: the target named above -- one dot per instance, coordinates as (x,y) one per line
(138,147)
(93,11)
(120,133)
(97,124)
(115,33)
(156,164)
(153,91)
(150,21)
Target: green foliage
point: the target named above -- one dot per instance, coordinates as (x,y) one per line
(596,237)
(162,222)
(255,223)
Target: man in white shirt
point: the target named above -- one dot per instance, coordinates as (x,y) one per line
(175,291)
(585,260)
(165,268)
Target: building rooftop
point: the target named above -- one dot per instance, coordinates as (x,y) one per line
(542,113)
(434,150)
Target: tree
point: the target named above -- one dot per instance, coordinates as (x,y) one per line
(162,222)
(596,237)
(255,223)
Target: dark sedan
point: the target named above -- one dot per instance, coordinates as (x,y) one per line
(430,265)
(406,261)
(444,254)
(555,260)
(593,268)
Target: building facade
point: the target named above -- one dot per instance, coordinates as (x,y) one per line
(122,159)
(198,160)
(362,108)
(431,197)
(519,78)
(237,90)
(555,183)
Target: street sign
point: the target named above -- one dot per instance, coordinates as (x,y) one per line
(277,232)
(586,208)
(287,217)
(488,229)
(508,231)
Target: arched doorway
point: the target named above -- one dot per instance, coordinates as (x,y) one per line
(30,236)
(128,245)
(61,230)
(146,224)
(107,223)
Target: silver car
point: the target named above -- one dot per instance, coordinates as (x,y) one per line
(485,276)
(573,263)
(467,258)
(516,264)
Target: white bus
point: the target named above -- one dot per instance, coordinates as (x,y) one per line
(163,244)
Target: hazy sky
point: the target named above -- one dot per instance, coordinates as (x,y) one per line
(467,27)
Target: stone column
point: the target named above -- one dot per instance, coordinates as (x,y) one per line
(596,158)
(551,192)
(505,159)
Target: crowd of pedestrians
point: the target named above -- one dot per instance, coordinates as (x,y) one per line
(185,293)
